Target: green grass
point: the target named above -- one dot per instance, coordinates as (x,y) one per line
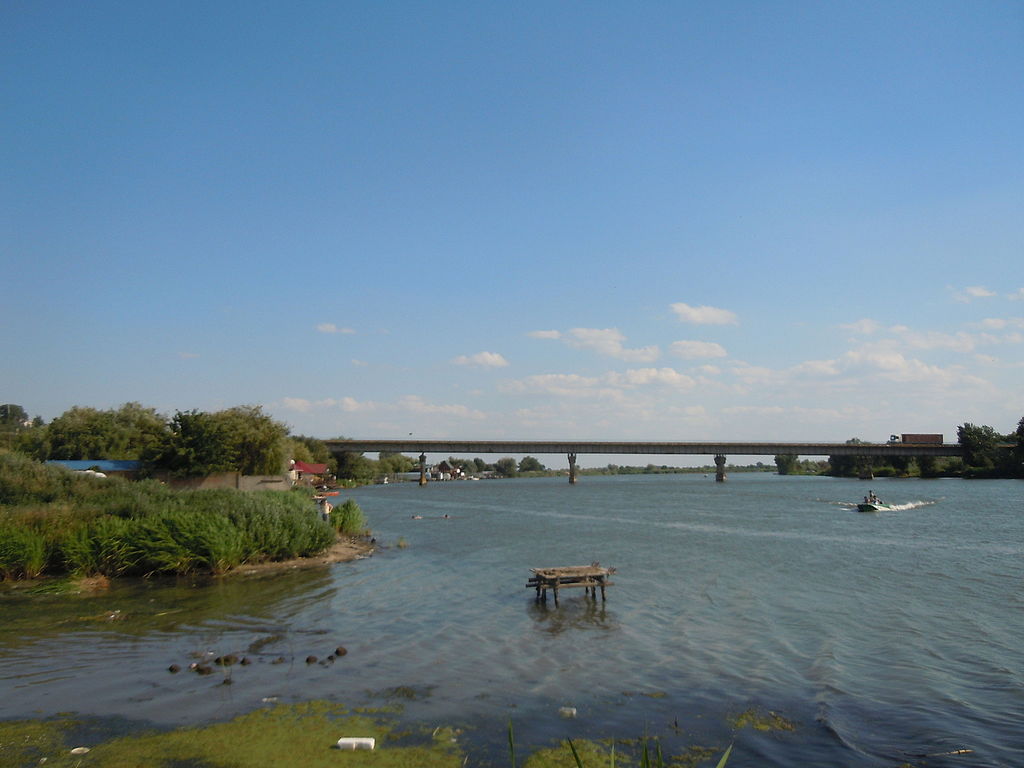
(292,736)
(300,735)
(347,518)
(53,521)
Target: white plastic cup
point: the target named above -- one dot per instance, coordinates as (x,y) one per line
(356,742)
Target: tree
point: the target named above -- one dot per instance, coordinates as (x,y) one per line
(979,444)
(195,446)
(530,464)
(480,464)
(13,417)
(1017,454)
(786,463)
(13,422)
(129,432)
(254,442)
(506,467)
(928,466)
(355,466)
(847,466)
(395,463)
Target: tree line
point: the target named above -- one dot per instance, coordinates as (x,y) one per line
(245,439)
(190,443)
(986,454)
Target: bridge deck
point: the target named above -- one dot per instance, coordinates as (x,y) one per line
(534,447)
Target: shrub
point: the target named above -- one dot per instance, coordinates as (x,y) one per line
(348,518)
(54,520)
(23,551)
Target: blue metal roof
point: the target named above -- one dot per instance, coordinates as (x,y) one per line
(103,465)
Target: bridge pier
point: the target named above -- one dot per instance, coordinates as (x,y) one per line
(423,469)
(719,469)
(572,469)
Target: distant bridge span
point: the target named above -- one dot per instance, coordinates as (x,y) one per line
(571,448)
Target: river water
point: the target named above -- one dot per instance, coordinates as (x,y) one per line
(880,637)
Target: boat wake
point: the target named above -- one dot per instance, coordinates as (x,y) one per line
(910,505)
(852,505)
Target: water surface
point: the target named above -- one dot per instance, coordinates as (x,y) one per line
(881,637)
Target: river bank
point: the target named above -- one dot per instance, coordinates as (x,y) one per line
(56,522)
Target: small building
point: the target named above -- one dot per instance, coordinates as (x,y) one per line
(307,473)
(445,471)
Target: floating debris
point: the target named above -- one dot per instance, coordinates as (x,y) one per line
(356,742)
(762,721)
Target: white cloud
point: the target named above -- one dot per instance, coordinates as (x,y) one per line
(544,334)
(610,385)
(300,404)
(958,342)
(332,328)
(1018,296)
(609,342)
(559,385)
(758,410)
(407,404)
(416,404)
(351,405)
(640,377)
(864,326)
(972,292)
(704,315)
(691,350)
(1002,323)
(482,360)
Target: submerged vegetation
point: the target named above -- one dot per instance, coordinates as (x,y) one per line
(297,735)
(53,521)
(304,735)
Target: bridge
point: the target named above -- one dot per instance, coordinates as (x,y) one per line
(571,449)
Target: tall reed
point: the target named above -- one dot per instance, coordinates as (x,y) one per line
(52,520)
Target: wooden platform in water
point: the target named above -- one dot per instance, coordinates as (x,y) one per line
(590,577)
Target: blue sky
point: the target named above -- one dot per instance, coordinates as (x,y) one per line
(661,221)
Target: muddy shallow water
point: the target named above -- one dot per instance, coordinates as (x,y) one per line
(879,636)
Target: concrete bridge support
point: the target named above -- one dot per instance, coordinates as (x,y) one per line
(572,469)
(719,469)
(423,469)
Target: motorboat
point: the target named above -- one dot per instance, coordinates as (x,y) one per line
(872,506)
(872,503)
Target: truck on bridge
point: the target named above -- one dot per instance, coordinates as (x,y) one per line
(910,438)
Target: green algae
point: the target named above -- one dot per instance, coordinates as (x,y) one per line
(285,735)
(590,753)
(761,721)
(693,756)
(26,742)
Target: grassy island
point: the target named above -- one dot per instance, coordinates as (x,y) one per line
(56,522)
